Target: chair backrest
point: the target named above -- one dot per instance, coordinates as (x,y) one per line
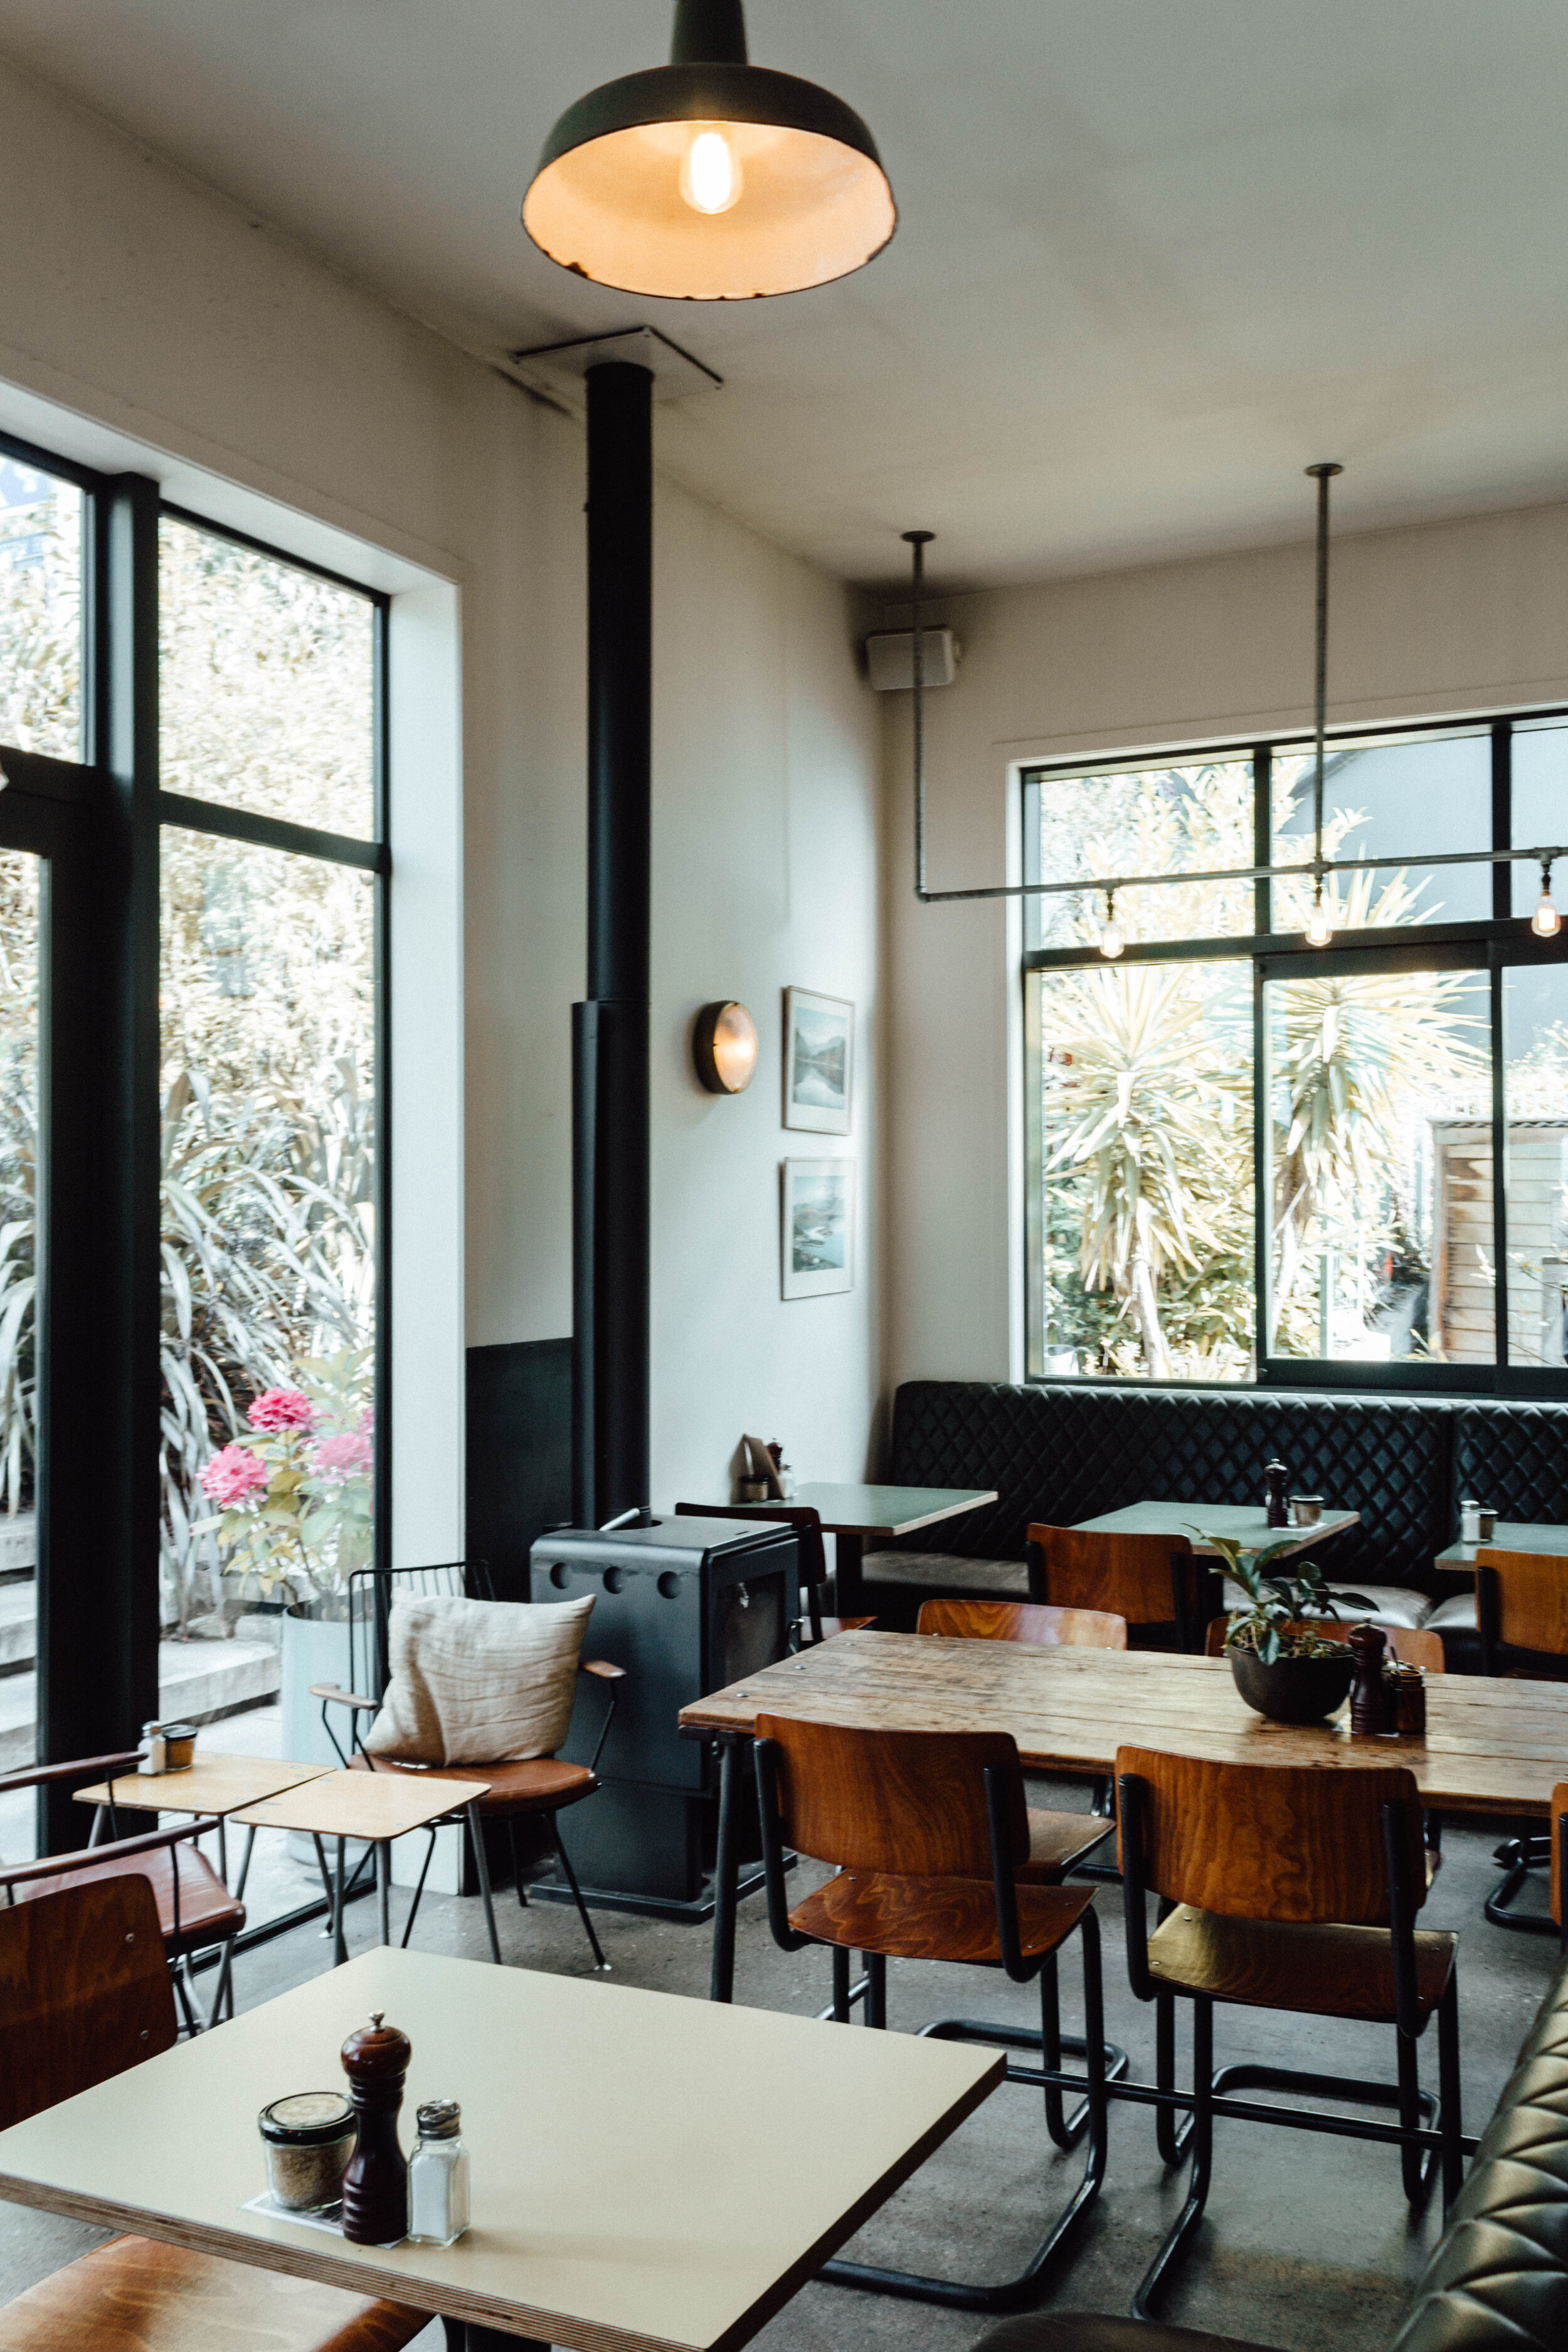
(84,1992)
(372,1590)
(1412,1648)
(1526,1596)
(1273,1841)
(810,1549)
(1130,1575)
(912,1802)
(1023,1620)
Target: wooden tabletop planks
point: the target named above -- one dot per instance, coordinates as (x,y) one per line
(1491,1746)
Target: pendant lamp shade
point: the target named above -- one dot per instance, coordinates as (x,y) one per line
(709,179)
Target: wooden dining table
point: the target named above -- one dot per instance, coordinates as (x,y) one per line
(1490,1747)
(650,2174)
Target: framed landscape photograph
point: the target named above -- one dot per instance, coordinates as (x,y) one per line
(819,1042)
(818,1227)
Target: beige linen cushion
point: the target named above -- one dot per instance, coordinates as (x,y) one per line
(479,1682)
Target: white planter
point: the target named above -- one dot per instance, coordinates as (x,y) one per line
(315,1650)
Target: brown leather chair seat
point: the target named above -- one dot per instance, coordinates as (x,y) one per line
(208,1912)
(538,1784)
(135,2296)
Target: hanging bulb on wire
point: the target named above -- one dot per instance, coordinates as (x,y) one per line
(1319,929)
(712,179)
(1546,922)
(1112,939)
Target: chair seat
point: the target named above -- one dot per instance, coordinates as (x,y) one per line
(935,1918)
(831,1625)
(1320,1972)
(1391,1604)
(134,2295)
(1058,1841)
(998,1579)
(538,1784)
(1455,1615)
(208,1912)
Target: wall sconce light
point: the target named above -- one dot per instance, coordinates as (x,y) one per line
(724,1048)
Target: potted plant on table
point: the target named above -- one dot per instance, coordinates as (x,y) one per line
(1285,1665)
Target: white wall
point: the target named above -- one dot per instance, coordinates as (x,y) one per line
(1444,619)
(171,329)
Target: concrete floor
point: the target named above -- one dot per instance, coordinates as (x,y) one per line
(1307,2243)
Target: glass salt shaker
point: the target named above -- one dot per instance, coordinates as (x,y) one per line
(438,2176)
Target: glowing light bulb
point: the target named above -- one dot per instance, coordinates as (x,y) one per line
(1546,922)
(1319,929)
(710,176)
(1112,939)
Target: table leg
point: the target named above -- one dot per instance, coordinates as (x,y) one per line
(245,1865)
(732,1790)
(99,1822)
(384,1887)
(848,1592)
(482,1872)
(339,1941)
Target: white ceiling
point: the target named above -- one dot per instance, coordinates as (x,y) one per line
(1154,255)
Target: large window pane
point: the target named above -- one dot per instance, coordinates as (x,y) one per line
(1379,1115)
(1539,758)
(1164,820)
(40,612)
(1535,1034)
(268,1240)
(1145,1175)
(1431,793)
(18,1430)
(265,676)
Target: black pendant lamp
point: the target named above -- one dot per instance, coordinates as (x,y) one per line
(709,179)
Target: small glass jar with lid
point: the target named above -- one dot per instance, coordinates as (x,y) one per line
(438,2176)
(309,2139)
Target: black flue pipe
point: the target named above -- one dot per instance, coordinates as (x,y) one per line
(610,1031)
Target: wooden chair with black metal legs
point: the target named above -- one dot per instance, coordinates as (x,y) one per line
(1157,1582)
(1059,1842)
(928,1832)
(812,1626)
(85,1994)
(1521,1617)
(196,1913)
(1282,1886)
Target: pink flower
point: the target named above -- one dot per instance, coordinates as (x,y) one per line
(235,1477)
(367,1420)
(277,1410)
(337,1460)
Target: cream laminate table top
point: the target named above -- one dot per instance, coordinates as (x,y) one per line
(368,1805)
(650,2174)
(214,1784)
(1247,1522)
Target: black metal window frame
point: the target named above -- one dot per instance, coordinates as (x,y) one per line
(1487,946)
(94,822)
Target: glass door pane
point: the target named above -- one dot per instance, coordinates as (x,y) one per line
(1379,1119)
(19,874)
(1535,1045)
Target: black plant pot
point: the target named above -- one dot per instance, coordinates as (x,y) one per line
(1293,1690)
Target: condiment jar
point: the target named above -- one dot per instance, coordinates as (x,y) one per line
(1407,1691)
(308,2139)
(438,2176)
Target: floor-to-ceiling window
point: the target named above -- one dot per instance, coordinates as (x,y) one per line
(192,873)
(1253,1159)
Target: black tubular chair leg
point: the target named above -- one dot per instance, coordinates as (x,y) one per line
(1171,2130)
(482,1872)
(600,1963)
(1019,2294)
(516,1860)
(1518,1857)
(1415,2167)
(1451,2123)
(876,2011)
(1201,2140)
(841,1959)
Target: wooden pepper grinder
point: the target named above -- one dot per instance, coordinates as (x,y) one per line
(376,2185)
(1276,1478)
(1370,1710)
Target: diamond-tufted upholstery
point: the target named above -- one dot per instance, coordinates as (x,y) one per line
(1498,2279)
(1065,1452)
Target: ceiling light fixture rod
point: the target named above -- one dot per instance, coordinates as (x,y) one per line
(1090,883)
(918,541)
(1322,475)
